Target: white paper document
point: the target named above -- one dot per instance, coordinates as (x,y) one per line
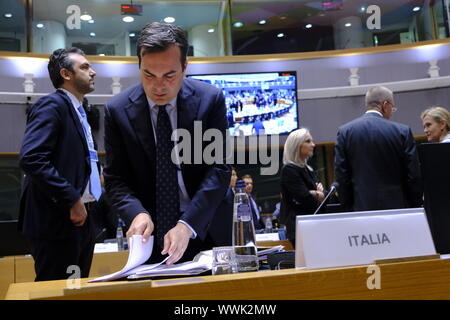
(139,252)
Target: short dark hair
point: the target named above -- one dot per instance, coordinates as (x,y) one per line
(60,60)
(158,37)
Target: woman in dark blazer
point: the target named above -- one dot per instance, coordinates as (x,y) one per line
(300,189)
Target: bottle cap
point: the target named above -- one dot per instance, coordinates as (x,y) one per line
(240,184)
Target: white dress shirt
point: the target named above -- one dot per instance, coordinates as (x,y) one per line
(87,196)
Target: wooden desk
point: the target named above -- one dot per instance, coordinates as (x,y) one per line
(6,274)
(424,279)
(16,269)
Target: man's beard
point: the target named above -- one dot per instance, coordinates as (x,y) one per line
(83,87)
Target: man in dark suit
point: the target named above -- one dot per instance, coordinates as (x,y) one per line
(59,161)
(254,206)
(153,194)
(376,163)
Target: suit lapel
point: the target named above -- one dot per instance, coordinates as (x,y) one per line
(187,107)
(76,121)
(139,115)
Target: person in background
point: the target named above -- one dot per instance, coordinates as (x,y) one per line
(301,191)
(60,163)
(376,161)
(436,124)
(254,207)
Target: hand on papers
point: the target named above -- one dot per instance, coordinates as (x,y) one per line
(78,213)
(142,225)
(176,242)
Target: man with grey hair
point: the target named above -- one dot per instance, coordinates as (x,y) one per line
(376,162)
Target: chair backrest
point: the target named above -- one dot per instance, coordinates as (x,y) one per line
(281,260)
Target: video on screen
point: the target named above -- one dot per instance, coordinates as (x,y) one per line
(258,103)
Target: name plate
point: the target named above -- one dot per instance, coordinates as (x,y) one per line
(274,236)
(356,238)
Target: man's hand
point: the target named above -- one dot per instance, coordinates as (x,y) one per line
(142,224)
(78,213)
(176,241)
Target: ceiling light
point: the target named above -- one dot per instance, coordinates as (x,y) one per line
(169,19)
(262,22)
(308,26)
(91,21)
(280,35)
(415,9)
(128,19)
(132,34)
(8,15)
(92,34)
(40,25)
(211,30)
(101,54)
(86,17)
(362,9)
(348,24)
(238,24)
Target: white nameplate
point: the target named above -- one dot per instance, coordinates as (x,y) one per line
(274,236)
(356,238)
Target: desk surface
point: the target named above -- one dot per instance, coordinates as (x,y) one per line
(424,279)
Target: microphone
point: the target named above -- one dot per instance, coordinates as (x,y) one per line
(333,188)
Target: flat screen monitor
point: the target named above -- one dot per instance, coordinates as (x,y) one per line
(258,103)
(434,164)
(12,242)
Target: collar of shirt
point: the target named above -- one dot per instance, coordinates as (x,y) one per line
(374,111)
(169,107)
(75,102)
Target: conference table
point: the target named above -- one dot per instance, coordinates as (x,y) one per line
(398,279)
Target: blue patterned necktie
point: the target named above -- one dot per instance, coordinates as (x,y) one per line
(167,196)
(95,188)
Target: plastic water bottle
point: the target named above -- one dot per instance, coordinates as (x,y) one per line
(268,225)
(119,236)
(244,231)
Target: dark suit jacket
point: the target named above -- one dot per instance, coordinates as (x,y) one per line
(376,165)
(131,153)
(55,158)
(296,182)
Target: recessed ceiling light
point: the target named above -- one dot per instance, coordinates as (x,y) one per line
(40,25)
(415,9)
(86,17)
(308,26)
(8,15)
(91,21)
(92,34)
(128,19)
(348,24)
(280,35)
(238,24)
(262,22)
(211,30)
(132,34)
(169,19)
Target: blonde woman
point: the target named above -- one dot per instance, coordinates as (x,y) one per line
(436,124)
(300,189)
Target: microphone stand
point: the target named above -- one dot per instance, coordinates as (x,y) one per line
(332,190)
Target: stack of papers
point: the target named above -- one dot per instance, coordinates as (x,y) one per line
(263,252)
(140,252)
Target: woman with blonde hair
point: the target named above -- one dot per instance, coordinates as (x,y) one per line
(301,192)
(436,124)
